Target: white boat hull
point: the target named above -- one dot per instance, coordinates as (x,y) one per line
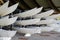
(5,10)
(4,6)
(44,14)
(46,29)
(53,16)
(9,10)
(6,22)
(29,13)
(5,33)
(56,27)
(29,30)
(48,21)
(6,17)
(27,22)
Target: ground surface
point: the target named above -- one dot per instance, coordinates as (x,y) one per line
(42,36)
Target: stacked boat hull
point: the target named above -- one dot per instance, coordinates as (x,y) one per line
(5,21)
(34,13)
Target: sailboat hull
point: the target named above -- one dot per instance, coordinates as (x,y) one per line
(29,13)
(55,16)
(29,30)
(6,21)
(5,33)
(27,22)
(48,21)
(5,10)
(44,14)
